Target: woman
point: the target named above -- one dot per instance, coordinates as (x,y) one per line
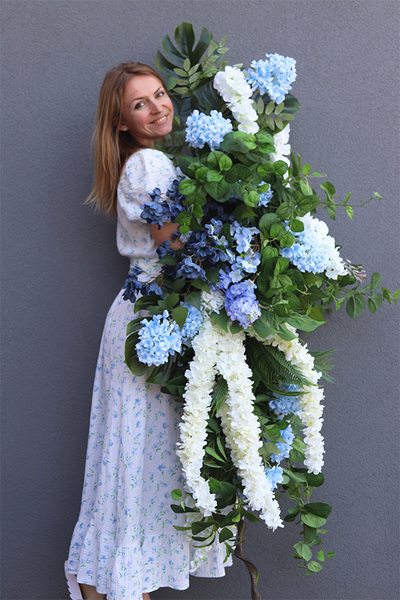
(125,544)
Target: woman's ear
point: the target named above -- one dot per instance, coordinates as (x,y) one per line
(123,127)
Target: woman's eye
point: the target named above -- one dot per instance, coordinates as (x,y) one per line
(139,105)
(160,94)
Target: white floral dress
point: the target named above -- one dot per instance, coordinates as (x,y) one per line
(125,543)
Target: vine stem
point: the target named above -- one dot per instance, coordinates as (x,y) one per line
(253,571)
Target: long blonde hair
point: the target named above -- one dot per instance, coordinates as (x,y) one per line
(112,146)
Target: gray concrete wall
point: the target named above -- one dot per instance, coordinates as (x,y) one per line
(61,271)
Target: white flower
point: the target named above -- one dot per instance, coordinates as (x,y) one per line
(282,146)
(231,84)
(212,302)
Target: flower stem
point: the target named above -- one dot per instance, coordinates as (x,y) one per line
(253,571)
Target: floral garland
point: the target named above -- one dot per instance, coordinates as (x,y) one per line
(310,400)
(219,352)
(256,267)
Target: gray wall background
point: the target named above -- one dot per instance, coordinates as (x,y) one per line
(61,272)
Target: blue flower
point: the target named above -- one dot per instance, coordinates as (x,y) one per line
(152,288)
(282,404)
(132,285)
(274,475)
(156,213)
(206,129)
(273,76)
(192,324)
(265,197)
(284,447)
(158,339)
(188,269)
(243,236)
(241,303)
(163,208)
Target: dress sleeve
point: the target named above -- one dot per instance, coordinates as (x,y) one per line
(143,171)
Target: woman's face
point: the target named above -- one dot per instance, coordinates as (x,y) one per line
(146,109)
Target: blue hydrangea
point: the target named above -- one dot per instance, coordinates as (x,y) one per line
(273,76)
(282,404)
(192,324)
(241,303)
(284,447)
(158,338)
(274,475)
(265,197)
(206,129)
(314,250)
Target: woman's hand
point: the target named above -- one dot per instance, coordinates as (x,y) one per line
(167,232)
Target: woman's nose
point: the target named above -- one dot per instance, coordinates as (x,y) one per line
(155,106)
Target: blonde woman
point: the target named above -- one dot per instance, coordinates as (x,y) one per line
(124,544)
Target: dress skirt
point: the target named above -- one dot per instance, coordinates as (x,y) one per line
(125,542)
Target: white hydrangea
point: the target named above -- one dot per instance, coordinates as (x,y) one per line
(232,86)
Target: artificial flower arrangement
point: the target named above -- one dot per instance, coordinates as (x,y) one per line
(223,314)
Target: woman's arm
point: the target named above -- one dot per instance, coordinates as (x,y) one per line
(166,232)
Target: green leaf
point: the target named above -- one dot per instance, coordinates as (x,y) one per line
(355,305)
(179,314)
(219,190)
(315,480)
(194,299)
(212,175)
(131,359)
(330,554)
(176,495)
(172,300)
(328,188)
(312,520)
(296,225)
(270,107)
(187,186)
(214,454)
(262,329)
(200,526)
(303,550)
(310,533)
(222,319)
(266,221)
(304,322)
(320,509)
(306,188)
(314,566)
(280,167)
(350,211)
(225,534)
(321,555)
(225,163)
(184,37)
(219,394)
(251,198)
(375,281)
(374,302)
(284,212)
